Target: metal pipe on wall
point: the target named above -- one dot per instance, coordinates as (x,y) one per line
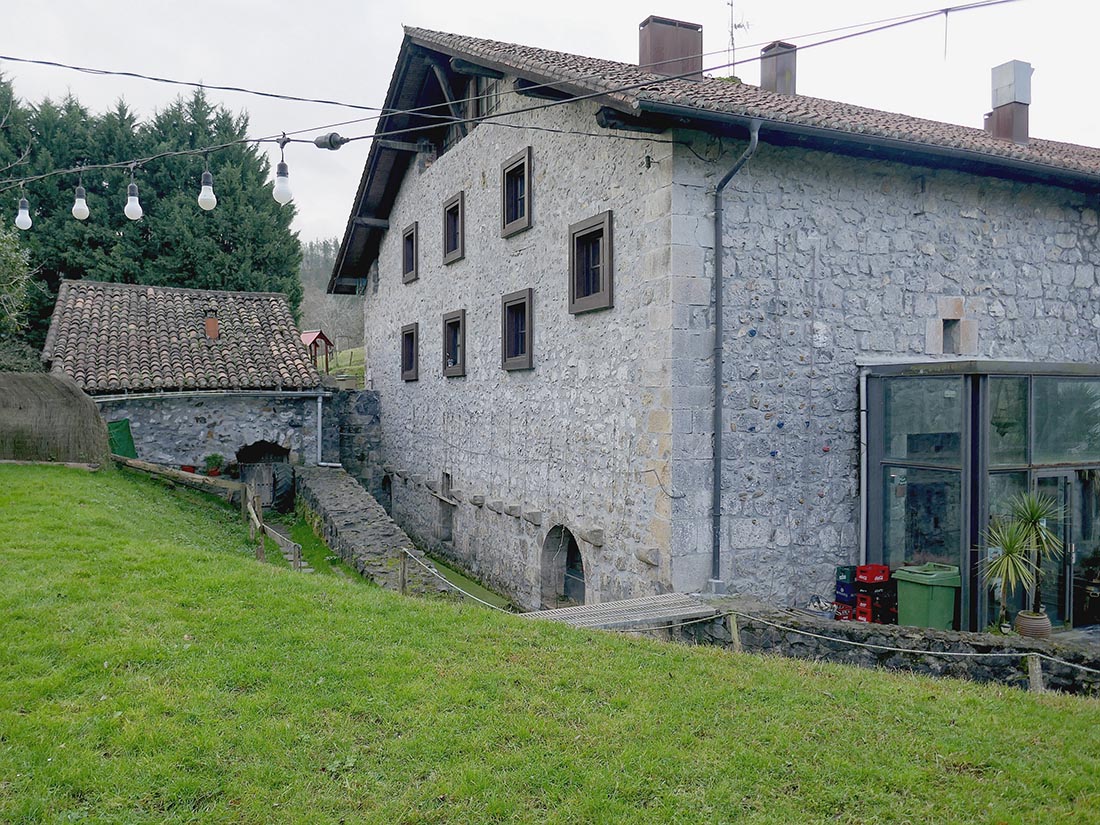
(719,363)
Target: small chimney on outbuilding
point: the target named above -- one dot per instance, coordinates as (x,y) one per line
(1011,99)
(211,325)
(671,47)
(777,68)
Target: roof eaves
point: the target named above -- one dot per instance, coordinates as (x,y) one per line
(914,151)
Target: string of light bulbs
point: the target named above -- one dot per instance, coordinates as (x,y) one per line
(281,191)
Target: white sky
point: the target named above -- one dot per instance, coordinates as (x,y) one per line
(346,51)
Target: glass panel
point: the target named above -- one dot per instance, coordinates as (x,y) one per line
(517,330)
(1007,421)
(452,230)
(452,343)
(1053,580)
(1085,551)
(923,420)
(1003,487)
(922,516)
(1067,420)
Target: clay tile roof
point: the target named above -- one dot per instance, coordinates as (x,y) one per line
(114,338)
(717,96)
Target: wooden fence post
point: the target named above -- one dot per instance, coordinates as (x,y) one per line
(260,554)
(1035,674)
(403,572)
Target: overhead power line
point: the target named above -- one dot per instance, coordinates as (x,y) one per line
(490,119)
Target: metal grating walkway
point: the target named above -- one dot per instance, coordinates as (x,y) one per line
(648,611)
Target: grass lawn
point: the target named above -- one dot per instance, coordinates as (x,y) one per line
(349,362)
(152,671)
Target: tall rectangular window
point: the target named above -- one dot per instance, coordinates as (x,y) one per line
(410,252)
(515,193)
(517,331)
(454,219)
(410,352)
(454,343)
(590,264)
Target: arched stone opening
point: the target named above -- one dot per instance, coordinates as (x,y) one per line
(263,466)
(561,570)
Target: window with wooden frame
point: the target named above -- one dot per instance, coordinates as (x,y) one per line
(410,253)
(515,193)
(454,220)
(454,343)
(590,264)
(410,352)
(517,330)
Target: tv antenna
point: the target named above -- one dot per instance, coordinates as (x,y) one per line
(736,25)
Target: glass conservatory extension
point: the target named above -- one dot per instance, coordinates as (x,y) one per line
(950,443)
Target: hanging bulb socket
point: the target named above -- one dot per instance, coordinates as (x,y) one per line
(133,209)
(207,199)
(281,190)
(23,217)
(80,205)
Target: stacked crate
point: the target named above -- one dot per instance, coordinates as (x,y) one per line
(865,594)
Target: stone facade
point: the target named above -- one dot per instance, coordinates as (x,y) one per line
(831,261)
(583,439)
(834,261)
(183,429)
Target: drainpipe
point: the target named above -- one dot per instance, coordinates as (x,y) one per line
(719,363)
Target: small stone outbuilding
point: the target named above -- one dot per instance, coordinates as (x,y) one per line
(196,372)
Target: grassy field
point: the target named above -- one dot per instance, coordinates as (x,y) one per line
(152,671)
(349,362)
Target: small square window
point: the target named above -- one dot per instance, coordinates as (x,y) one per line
(410,253)
(517,330)
(454,343)
(590,264)
(454,219)
(410,351)
(515,193)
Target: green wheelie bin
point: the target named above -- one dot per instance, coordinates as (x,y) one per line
(926,595)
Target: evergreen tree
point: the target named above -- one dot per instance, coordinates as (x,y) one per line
(244,244)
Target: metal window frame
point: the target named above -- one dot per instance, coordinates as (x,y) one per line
(459,252)
(410,372)
(604,297)
(524,361)
(459,368)
(410,275)
(521,159)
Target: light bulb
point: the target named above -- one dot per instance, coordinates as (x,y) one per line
(23,219)
(281,190)
(80,206)
(133,208)
(207,199)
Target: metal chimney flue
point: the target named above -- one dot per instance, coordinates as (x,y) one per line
(777,68)
(671,47)
(1011,99)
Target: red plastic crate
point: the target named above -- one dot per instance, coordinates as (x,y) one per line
(844,612)
(863,614)
(863,601)
(872,573)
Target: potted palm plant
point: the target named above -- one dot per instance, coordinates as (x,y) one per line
(1025,540)
(1010,567)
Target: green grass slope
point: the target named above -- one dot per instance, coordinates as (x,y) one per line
(152,671)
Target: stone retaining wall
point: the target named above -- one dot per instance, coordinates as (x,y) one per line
(757,636)
(357,529)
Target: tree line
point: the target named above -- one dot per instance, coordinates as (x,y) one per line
(244,244)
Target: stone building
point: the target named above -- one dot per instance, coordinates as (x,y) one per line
(195,372)
(905,307)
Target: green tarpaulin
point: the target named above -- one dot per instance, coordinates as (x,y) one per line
(122,441)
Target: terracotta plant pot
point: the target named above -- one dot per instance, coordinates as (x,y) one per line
(187,468)
(213,471)
(1035,625)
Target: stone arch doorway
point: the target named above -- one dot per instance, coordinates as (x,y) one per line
(263,467)
(561,570)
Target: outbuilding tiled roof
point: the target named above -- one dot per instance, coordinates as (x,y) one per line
(742,100)
(115,338)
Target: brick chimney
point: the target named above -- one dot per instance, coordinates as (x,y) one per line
(670,47)
(1011,98)
(211,323)
(777,68)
